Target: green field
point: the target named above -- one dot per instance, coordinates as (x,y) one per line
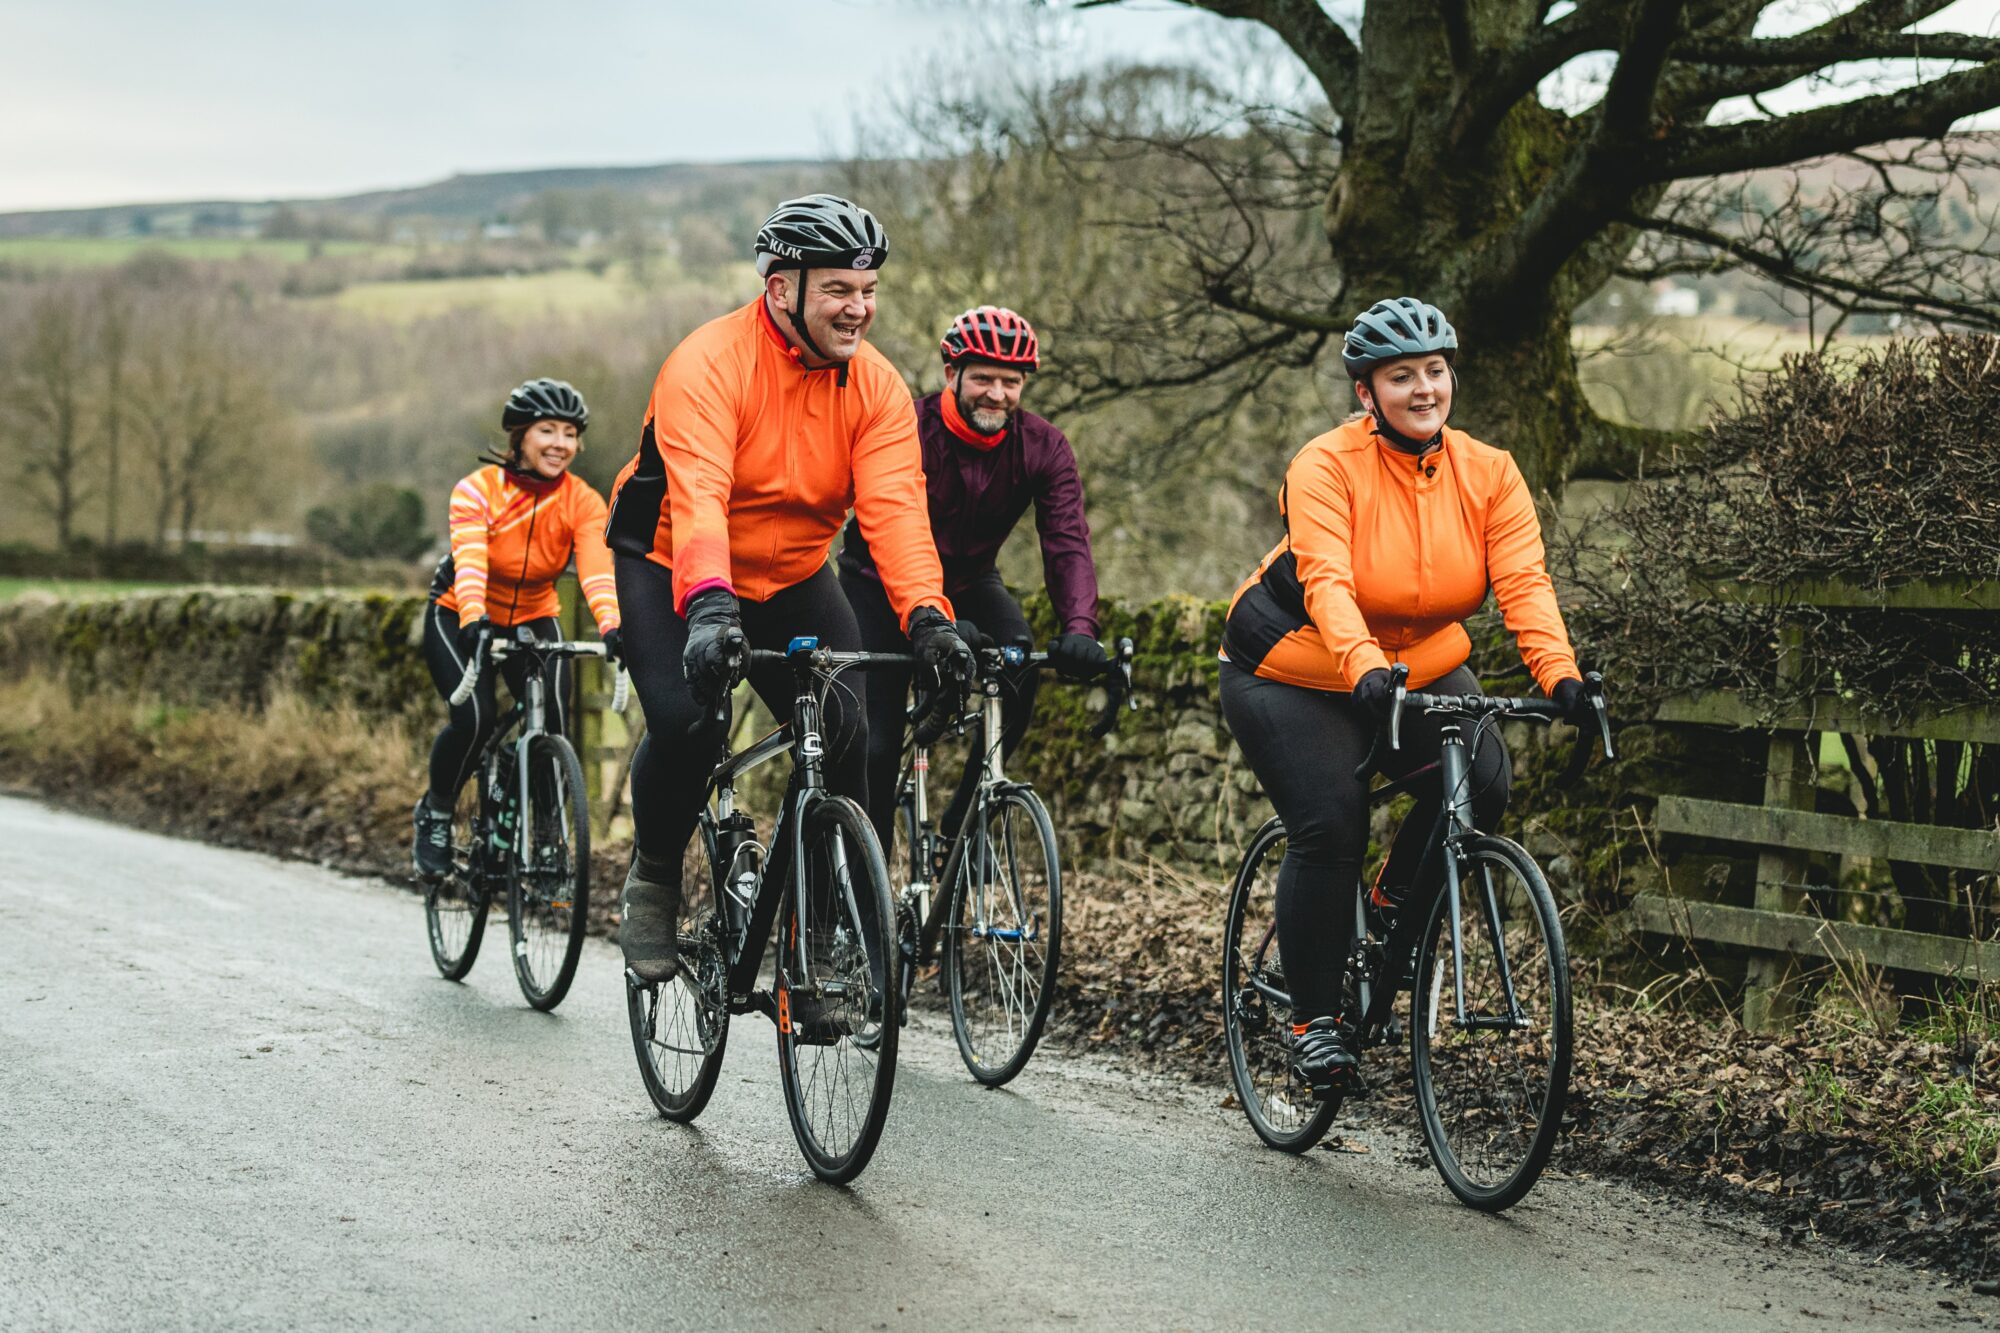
(74,589)
(530,295)
(525,295)
(87,252)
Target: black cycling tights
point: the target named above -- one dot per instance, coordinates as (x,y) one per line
(670,771)
(457,747)
(987,604)
(1304,745)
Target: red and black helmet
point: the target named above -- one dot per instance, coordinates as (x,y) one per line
(991,333)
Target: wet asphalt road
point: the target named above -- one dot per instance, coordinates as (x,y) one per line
(236,1095)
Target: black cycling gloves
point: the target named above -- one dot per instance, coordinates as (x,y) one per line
(1376,691)
(1078,656)
(468,635)
(716,649)
(614,646)
(1573,697)
(937,645)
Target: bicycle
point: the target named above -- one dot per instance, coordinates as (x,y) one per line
(828,992)
(999,880)
(1491,1064)
(540,864)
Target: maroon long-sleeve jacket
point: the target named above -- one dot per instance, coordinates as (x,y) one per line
(978,495)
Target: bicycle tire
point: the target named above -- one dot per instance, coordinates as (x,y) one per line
(1497,1109)
(680,1070)
(828,955)
(455,907)
(987,978)
(548,895)
(1280,1106)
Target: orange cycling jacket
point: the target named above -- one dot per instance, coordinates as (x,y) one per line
(511,539)
(748,463)
(1384,554)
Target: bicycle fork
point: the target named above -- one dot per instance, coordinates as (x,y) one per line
(1456,772)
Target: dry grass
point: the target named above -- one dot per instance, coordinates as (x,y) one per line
(329,785)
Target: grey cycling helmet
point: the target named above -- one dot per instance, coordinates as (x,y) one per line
(545,399)
(820,231)
(1396,328)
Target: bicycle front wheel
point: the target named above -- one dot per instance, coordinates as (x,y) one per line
(1004,936)
(455,907)
(837,1012)
(680,1027)
(1492,1069)
(549,899)
(1257,1008)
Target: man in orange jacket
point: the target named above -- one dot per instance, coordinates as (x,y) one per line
(765,427)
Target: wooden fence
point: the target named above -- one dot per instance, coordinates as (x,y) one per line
(1779,929)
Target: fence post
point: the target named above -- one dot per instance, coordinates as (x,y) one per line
(1771,997)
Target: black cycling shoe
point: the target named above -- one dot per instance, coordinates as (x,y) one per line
(1323,1055)
(649,918)
(430,849)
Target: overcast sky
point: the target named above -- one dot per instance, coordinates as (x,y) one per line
(117,101)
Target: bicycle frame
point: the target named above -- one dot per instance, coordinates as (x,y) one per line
(529,714)
(986,727)
(750,923)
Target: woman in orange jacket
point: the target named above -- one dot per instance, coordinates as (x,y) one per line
(514,526)
(1396,527)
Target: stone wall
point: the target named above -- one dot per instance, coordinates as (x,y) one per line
(1167,783)
(229,648)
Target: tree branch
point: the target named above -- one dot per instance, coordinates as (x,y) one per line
(1627,112)
(1511,75)
(1738,69)
(1791,274)
(1457,34)
(1811,53)
(1923,112)
(1328,52)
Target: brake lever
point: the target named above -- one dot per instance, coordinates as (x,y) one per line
(1118,688)
(1594,683)
(1399,675)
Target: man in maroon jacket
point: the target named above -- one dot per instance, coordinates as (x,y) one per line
(986,461)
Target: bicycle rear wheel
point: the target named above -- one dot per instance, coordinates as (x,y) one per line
(1257,1009)
(1491,1085)
(1003,937)
(455,907)
(548,900)
(681,1027)
(837,1012)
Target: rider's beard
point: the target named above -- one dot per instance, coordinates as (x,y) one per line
(987,421)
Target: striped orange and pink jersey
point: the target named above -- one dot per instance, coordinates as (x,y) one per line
(511,540)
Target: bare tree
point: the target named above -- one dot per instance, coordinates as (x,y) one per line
(114,344)
(46,393)
(1456,179)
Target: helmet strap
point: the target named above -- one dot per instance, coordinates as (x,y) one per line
(1395,438)
(797,314)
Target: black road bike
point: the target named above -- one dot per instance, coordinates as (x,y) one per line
(1483,961)
(822,882)
(998,881)
(531,851)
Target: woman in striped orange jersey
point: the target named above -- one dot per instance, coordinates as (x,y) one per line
(515,524)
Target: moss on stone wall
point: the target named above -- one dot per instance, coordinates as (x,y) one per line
(209,646)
